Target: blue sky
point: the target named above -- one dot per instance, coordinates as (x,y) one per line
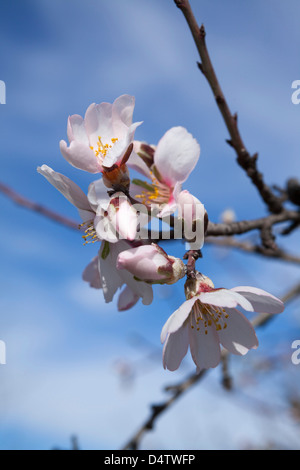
(63,341)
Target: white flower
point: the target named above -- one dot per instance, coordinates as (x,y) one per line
(100,140)
(102,271)
(168,166)
(209,318)
(104,217)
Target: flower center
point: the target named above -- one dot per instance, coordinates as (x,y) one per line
(154,192)
(90,235)
(203,316)
(102,149)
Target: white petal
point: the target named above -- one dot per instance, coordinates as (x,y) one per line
(262,301)
(176,320)
(137,163)
(122,111)
(111,281)
(80,156)
(98,123)
(105,229)
(127,299)
(239,336)
(119,148)
(98,196)
(67,188)
(225,298)
(205,348)
(123,107)
(91,274)
(176,155)
(167,209)
(175,348)
(76,129)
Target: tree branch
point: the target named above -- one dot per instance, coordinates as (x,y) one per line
(248,247)
(35,207)
(245,160)
(244,226)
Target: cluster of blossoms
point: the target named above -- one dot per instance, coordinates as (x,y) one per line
(116,213)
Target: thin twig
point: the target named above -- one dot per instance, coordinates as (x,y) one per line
(35,207)
(244,226)
(245,160)
(248,247)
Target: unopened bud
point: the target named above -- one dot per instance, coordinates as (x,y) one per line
(150,263)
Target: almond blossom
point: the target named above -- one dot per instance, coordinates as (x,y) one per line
(102,140)
(210,318)
(102,273)
(103,217)
(150,263)
(167,167)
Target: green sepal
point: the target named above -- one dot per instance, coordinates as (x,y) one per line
(105,251)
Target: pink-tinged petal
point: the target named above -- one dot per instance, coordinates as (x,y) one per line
(127,299)
(225,298)
(122,112)
(167,209)
(175,348)
(98,196)
(122,109)
(141,289)
(239,336)
(176,155)
(80,156)
(176,320)
(143,262)
(76,129)
(204,346)
(110,279)
(67,188)
(98,123)
(91,274)
(136,162)
(261,301)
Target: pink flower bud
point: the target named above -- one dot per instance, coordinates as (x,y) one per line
(150,263)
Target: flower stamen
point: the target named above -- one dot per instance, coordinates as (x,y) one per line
(90,232)
(154,192)
(208,315)
(102,149)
